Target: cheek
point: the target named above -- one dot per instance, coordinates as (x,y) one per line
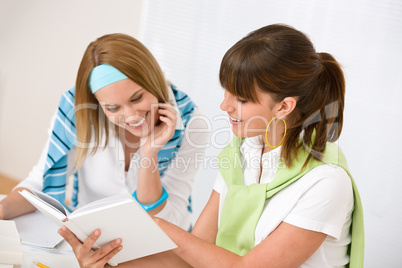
(113,119)
(256,124)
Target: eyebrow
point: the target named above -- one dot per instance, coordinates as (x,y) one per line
(135,93)
(132,96)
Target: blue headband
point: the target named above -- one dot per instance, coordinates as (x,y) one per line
(103,75)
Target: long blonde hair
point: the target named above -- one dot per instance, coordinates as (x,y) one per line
(131,58)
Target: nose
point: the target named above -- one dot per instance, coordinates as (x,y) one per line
(226,104)
(130,113)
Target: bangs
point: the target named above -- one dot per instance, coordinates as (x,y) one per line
(238,73)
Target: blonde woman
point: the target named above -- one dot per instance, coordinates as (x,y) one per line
(122,128)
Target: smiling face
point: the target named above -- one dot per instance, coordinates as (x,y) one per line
(129,106)
(247,118)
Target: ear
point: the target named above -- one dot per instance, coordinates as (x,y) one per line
(285,107)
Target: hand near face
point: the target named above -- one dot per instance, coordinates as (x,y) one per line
(87,257)
(161,133)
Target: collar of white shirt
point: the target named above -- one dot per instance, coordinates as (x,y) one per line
(251,149)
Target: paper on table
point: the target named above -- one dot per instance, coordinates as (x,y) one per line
(6,265)
(10,245)
(35,229)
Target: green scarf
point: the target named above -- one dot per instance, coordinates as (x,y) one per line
(243,205)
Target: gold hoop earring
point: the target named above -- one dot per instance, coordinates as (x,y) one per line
(266,134)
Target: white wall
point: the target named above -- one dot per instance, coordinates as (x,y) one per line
(41,45)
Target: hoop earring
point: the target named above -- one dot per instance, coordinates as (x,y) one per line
(266,134)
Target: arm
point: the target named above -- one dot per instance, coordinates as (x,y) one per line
(205,231)
(149,187)
(179,177)
(287,246)
(15,205)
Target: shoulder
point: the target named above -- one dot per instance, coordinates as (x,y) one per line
(327,186)
(322,200)
(182,99)
(323,186)
(332,176)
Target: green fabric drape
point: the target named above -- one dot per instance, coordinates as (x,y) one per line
(243,205)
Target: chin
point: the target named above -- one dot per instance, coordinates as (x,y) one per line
(139,133)
(243,134)
(238,133)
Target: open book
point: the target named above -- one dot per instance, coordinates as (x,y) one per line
(117,216)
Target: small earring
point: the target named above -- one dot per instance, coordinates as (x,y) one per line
(266,134)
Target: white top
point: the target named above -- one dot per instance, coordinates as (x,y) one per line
(321,200)
(103,174)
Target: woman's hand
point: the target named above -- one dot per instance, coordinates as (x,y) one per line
(87,257)
(162,133)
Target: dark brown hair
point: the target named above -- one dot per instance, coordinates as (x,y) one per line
(282,61)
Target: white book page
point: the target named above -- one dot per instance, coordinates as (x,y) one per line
(49,210)
(52,202)
(103,203)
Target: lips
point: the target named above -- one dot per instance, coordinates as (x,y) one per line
(140,122)
(235,120)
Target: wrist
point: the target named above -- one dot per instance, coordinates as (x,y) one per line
(160,201)
(149,152)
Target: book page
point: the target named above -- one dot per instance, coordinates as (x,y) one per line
(103,203)
(50,211)
(51,202)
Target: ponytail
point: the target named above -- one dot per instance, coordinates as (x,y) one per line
(324,122)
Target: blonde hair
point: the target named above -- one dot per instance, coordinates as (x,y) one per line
(131,58)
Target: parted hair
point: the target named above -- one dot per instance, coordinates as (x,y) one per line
(131,58)
(282,61)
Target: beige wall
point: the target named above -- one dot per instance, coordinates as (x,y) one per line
(41,45)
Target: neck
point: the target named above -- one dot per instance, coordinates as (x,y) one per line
(266,148)
(274,137)
(128,139)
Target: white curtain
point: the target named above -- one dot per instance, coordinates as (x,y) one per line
(189,39)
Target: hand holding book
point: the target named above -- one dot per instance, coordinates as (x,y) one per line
(85,256)
(116,217)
